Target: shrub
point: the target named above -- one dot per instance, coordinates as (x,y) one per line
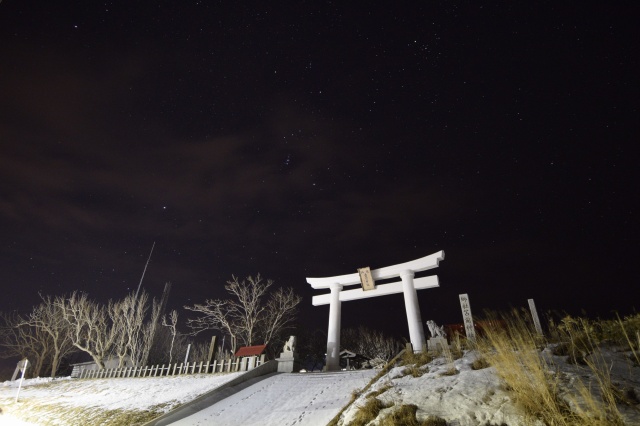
(368,412)
(527,376)
(406,416)
(418,359)
(415,371)
(479,363)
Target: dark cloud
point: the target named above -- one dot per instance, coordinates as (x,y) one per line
(299,142)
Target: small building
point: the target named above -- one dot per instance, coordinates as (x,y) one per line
(112,362)
(351,360)
(252,356)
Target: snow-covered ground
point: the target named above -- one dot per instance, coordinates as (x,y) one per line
(285,399)
(158,393)
(468,398)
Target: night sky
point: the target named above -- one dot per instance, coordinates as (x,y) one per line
(308,139)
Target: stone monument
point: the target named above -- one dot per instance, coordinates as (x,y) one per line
(288,361)
(438,337)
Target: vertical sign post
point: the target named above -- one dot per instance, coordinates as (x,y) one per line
(186,357)
(468,318)
(212,348)
(534,314)
(22,365)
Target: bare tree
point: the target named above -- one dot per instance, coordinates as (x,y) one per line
(199,351)
(280,313)
(133,330)
(91,330)
(370,343)
(216,315)
(173,321)
(127,318)
(148,333)
(48,318)
(248,305)
(246,317)
(23,340)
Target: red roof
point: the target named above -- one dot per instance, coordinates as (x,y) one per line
(251,350)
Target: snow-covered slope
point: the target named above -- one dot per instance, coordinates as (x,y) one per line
(468,398)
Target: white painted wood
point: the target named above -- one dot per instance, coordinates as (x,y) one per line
(381,290)
(418,265)
(333,334)
(407,286)
(412,308)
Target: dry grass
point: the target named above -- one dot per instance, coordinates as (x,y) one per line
(415,371)
(514,351)
(368,412)
(406,415)
(480,363)
(45,415)
(415,363)
(418,359)
(336,419)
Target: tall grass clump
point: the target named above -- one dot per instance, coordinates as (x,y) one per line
(513,346)
(405,415)
(354,396)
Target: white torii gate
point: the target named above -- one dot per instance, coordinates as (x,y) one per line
(407,285)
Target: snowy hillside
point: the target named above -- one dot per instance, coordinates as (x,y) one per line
(462,396)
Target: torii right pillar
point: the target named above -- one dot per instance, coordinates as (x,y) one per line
(408,286)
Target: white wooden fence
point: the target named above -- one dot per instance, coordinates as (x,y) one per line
(217,366)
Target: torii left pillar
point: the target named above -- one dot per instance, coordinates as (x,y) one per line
(408,286)
(333,334)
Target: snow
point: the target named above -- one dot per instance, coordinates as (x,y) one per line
(285,399)
(468,398)
(112,394)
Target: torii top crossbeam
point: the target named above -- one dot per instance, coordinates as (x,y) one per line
(418,265)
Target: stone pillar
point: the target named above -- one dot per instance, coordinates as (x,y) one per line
(333,335)
(416,330)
